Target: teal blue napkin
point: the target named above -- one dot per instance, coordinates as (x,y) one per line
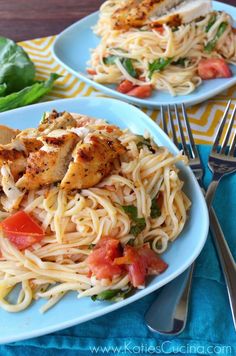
(209,329)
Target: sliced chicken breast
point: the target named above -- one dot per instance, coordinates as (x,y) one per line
(54,121)
(13,155)
(185,13)
(7,134)
(13,195)
(30,140)
(135,13)
(92,161)
(50,163)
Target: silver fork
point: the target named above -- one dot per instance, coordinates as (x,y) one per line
(168,313)
(221,159)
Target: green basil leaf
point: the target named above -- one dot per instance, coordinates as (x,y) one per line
(158,65)
(221,29)
(43,118)
(155,209)
(28,95)
(210,46)
(174,29)
(3,88)
(110,59)
(128,65)
(16,68)
(138,227)
(180,62)
(105,295)
(139,223)
(145,142)
(112,295)
(131,210)
(211,22)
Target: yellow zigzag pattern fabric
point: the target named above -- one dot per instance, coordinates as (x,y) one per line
(204,117)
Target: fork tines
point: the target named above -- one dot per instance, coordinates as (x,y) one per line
(189,149)
(216,148)
(228,140)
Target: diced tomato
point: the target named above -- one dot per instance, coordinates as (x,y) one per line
(91,71)
(125,86)
(107,261)
(155,264)
(136,266)
(214,68)
(140,263)
(101,260)
(159,29)
(144,91)
(22,230)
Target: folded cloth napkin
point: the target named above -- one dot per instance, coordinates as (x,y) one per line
(123,332)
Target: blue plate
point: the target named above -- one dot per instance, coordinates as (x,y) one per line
(72,50)
(70,311)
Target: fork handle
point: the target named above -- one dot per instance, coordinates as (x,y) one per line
(211,190)
(226,260)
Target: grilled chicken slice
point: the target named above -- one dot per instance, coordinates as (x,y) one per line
(54,121)
(7,134)
(50,163)
(14,155)
(185,13)
(13,195)
(30,140)
(136,13)
(92,161)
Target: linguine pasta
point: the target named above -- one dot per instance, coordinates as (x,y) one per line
(75,221)
(181,47)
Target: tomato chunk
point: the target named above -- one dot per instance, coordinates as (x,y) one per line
(155,265)
(136,266)
(91,71)
(144,91)
(159,29)
(212,68)
(140,263)
(22,230)
(108,260)
(101,260)
(125,86)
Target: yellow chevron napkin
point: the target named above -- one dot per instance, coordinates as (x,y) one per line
(203,117)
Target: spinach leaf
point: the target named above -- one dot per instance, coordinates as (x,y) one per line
(16,68)
(110,59)
(3,88)
(28,95)
(43,118)
(140,223)
(131,210)
(139,227)
(158,65)
(174,29)
(128,65)
(145,142)
(180,62)
(112,295)
(211,22)
(211,44)
(155,209)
